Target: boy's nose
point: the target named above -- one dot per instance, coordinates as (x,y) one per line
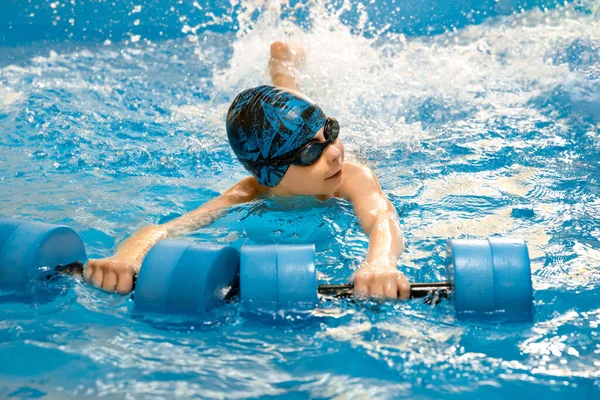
(333,153)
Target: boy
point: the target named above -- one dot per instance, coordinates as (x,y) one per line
(291,148)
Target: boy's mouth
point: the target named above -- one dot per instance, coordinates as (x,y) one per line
(336,175)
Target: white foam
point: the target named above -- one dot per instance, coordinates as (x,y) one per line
(9,96)
(375,85)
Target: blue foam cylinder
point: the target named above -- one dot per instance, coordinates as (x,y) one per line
(296,276)
(258,277)
(182,277)
(471,264)
(28,248)
(278,277)
(491,276)
(7,227)
(512,278)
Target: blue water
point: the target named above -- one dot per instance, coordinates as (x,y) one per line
(479,118)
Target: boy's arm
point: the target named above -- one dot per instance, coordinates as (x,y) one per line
(378,274)
(116,273)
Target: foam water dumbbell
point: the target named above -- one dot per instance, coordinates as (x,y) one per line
(490,279)
(177,276)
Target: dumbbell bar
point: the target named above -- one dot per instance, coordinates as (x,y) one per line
(417,289)
(177,276)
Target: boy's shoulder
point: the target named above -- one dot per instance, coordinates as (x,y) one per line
(356,168)
(358,179)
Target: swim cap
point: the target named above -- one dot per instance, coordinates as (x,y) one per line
(269,122)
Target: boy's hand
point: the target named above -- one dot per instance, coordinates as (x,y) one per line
(111,274)
(380,279)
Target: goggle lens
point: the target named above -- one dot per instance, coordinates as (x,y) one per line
(311,154)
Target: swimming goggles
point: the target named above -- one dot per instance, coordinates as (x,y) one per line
(309,153)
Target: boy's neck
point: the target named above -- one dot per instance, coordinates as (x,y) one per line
(320,197)
(324,197)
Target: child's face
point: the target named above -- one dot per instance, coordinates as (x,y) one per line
(316,179)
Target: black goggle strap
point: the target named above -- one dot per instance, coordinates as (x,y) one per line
(275,162)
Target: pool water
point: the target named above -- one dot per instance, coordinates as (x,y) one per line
(479,118)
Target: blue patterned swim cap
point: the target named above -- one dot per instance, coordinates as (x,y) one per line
(269,122)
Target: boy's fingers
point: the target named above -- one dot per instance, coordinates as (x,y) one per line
(391,290)
(362,279)
(360,288)
(124,284)
(403,287)
(377,289)
(388,284)
(109,282)
(88,271)
(97,277)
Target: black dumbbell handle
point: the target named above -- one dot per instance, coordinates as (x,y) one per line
(75,269)
(417,289)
